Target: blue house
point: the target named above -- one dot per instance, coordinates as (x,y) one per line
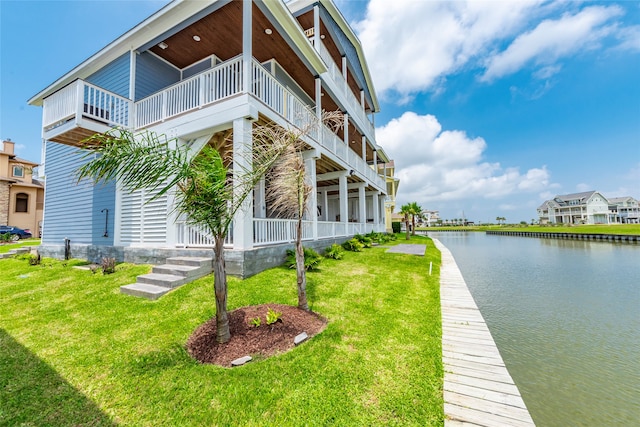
(205,72)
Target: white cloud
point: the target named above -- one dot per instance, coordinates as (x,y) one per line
(582,187)
(553,39)
(411,45)
(436,166)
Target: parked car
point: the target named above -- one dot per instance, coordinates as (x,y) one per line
(16,233)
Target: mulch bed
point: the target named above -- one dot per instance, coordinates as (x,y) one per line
(246,339)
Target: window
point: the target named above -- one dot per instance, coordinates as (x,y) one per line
(18,171)
(22,202)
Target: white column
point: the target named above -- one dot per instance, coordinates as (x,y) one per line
(172,214)
(344,199)
(316,27)
(325,206)
(243,219)
(375,160)
(375,200)
(362,204)
(364,148)
(319,99)
(346,129)
(260,205)
(247,53)
(312,207)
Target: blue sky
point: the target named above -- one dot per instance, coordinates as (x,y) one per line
(489,108)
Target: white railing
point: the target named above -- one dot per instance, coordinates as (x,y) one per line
(353,104)
(268,231)
(84,99)
(192,236)
(60,106)
(270,91)
(198,91)
(273,231)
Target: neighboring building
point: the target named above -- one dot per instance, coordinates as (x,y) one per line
(387,170)
(589,207)
(205,72)
(21,196)
(624,210)
(431,218)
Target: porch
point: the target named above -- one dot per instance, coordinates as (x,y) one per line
(267,232)
(81,109)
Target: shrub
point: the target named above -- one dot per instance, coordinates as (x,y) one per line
(365,240)
(34,259)
(334,251)
(108,265)
(273,316)
(6,237)
(353,245)
(396,227)
(256,321)
(311,259)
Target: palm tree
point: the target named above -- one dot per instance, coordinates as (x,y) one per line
(289,192)
(209,193)
(406,211)
(416,210)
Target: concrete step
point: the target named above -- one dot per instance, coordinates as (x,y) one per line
(188,271)
(192,261)
(176,272)
(144,290)
(166,280)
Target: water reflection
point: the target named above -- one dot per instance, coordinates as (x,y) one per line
(565,315)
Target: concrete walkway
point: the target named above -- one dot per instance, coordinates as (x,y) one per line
(407,248)
(478,390)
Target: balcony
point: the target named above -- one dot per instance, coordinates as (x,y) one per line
(82,109)
(353,105)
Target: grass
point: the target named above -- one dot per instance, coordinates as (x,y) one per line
(74,351)
(633,229)
(6,247)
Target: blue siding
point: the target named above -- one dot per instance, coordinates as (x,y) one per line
(73,210)
(196,68)
(114,77)
(153,74)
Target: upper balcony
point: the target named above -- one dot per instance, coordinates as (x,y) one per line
(81,109)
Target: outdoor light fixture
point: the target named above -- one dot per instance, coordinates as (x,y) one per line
(268,31)
(163,45)
(196,38)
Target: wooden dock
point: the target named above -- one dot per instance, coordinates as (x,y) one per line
(478,390)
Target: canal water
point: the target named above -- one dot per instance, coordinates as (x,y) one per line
(565,315)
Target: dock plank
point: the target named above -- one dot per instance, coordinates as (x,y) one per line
(478,389)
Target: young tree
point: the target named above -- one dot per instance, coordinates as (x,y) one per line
(415,210)
(289,191)
(209,193)
(406,211)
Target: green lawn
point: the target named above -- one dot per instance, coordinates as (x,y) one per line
(74,351)
(633,229)
(6,247)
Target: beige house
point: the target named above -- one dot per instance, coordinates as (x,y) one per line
(21,196)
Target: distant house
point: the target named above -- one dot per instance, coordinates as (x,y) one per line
(208,72)
(590,207)
(21,196)
(431,218)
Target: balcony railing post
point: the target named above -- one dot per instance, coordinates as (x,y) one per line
(79,99)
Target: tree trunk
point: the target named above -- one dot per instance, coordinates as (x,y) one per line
(220,284)
(413,225)
(406,225)
(300,270)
